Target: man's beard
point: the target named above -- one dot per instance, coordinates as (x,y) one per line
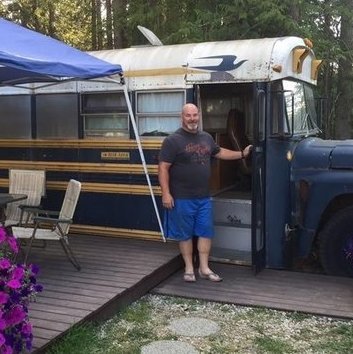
(192,126)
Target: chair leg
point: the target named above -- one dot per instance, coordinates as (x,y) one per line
(28,249)
(69,253)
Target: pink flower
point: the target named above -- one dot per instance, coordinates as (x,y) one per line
(2,325)
(3,298)
(2,340)
(4,263)
(18,273)
(15,315)
(14,284)
(7,350)
(13,244)
(2,235)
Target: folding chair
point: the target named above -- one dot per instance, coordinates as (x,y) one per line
(28,182)
(59,224)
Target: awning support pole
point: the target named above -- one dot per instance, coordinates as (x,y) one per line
(142,156)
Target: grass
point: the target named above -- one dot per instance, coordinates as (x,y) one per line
(242,330)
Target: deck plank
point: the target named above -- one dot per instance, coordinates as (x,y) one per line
(311,293)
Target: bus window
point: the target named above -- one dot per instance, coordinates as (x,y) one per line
(158,113)
(104,115)
(293,109)
(300,108)
(57,116)
(15,116)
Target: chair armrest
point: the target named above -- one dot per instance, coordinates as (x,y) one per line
(44,219)
(30,208)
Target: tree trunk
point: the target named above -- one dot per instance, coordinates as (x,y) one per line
(94,25)
(109,25)
(345,75)
(99,25)
(119,20)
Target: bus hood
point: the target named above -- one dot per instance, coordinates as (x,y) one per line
(315,153)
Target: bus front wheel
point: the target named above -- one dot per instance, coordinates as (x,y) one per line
(336,243)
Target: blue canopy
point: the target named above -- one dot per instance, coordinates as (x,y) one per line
(27,56)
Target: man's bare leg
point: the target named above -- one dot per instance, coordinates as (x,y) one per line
(204,248)
(185,248)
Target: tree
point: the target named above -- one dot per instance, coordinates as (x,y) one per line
(344,104)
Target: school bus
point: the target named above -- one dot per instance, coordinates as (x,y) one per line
(292,198)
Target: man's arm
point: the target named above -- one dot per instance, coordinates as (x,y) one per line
(163,177)
(226,154)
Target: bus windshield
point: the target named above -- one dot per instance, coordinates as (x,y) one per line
(300,108)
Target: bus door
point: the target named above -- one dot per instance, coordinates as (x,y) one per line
(258,241)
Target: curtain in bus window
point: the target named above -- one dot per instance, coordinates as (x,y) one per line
(158,113)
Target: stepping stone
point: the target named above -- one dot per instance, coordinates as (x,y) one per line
(168,347)
(194,327)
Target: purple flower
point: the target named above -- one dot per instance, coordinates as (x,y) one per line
(38,288)
(4,263)
(34,269)
(26,329)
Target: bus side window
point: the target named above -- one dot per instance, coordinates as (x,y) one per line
(104,115)
(158,113)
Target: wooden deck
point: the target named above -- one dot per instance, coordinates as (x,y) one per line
(310,293)
(115,272)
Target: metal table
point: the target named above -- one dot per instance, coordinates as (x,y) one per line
(6,198)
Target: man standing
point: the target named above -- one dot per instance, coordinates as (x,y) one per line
(184,172)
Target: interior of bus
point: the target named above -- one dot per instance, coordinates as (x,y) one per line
(227,114)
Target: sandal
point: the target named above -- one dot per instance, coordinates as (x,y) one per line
(189,277)
(210,276)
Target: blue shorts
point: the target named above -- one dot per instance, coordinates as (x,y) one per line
(189,218)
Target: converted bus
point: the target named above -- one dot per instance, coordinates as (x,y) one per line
(293,197)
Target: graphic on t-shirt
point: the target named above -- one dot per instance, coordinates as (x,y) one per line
(199,153)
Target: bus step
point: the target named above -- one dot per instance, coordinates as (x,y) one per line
(223,255)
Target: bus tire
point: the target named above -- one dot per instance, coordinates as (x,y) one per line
(336,244)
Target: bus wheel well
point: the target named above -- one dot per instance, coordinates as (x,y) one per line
(338,203)
(336,243)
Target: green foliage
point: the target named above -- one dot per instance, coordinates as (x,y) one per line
(266,344)
(79,340)
(327,23)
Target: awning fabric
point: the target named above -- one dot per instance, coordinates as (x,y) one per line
(28,56)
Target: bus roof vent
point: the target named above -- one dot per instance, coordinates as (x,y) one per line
(151,37)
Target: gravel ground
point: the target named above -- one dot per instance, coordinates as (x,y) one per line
(241,329)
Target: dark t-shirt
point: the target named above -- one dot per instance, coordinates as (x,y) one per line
(190,155)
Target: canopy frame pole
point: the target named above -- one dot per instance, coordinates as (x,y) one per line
(142,156)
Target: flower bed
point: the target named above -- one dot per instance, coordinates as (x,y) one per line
(17,287)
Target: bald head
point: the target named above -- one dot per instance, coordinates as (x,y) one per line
(190,118)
